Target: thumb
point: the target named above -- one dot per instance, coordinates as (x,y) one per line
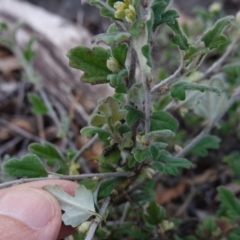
(28,213)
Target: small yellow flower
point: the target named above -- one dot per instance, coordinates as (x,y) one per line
(130,13)
(125,10)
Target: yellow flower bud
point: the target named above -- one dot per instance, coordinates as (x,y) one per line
(84,227)
(130,13)
(166,225)
(120,6)
(120,14)
(215,7)
(73,169)
(113,65)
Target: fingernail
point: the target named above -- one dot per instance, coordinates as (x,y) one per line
(31,206)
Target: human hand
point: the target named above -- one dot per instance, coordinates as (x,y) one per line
(29,212)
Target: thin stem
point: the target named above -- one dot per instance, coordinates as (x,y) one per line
(71,178)
(147,104)
(97,220)
(171,78)
(132,68)
(209,127)
(86,147)
(220,61)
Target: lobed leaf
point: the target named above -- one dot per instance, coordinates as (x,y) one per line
(178,89)
(76,209)
(93,62)
(161,120)
(207,142)
(39,106)
(29,166)
(212,38)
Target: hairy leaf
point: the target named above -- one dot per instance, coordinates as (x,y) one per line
(109,112)
(152,136)
(161,120)
(207,142)
(169,164)
(178,89)
(46,151)
(155,213)
(93,62)
(136,94)
(76,209)
(119,52)
(137,27)
(229,204)
(90,130)
(29,166)
(211,105)
(133,115)
(39,106)
(213,37)
(179,38)
(146,51)
(111,38)
(141,154)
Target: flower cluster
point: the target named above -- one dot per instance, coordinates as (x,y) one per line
(125,10)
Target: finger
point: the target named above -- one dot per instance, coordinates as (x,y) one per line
(28,213)
(68,186)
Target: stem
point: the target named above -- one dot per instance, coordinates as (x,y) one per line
(220,61)
(71,178)
(171,78)
(85,148)
(132,68)
(97,220)
(208,128)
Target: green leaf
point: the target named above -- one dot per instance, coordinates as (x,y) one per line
(39,106)
(141,154)
(161,120)
(102,134)
(137,27)
(111,38)
(29,166)
(93,62)
(158,9)
(159,166)
(169,16)
(211,105)
(113,28)
(119,52)
(233,162)
(3,26)
(136,94)
(116,79)
(169,164)
(52,156)
(179,38)
(234,234)
(178,89)
(28,51)
(155,213)
(102,233)
(111,154)
(229,203)
(133,115)
(207,142)
(154,151)
(107,186)
(76,209)
(211,37)
(109,109)
(152,136)
(146,51)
